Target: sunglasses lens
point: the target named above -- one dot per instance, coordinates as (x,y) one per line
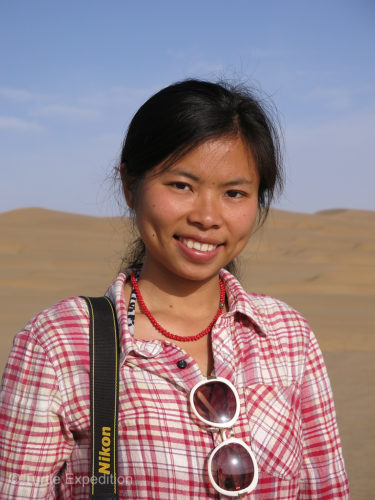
(215,402)
(232,467)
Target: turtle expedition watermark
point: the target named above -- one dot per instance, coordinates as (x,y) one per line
(68,478)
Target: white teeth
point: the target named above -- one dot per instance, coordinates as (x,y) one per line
(202,247)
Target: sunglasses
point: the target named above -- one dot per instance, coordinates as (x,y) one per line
(232,468)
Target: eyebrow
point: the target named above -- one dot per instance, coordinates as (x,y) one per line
(239,181)
(183,173)
(234,182)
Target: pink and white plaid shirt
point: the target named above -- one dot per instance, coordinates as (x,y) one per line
(265,348)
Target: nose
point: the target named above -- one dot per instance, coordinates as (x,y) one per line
(205,212)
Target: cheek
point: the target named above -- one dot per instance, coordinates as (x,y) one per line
(244,222)
(155,216)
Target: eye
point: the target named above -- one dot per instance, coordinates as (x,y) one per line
(233,193)
(180,185)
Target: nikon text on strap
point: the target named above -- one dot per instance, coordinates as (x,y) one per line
(104,367)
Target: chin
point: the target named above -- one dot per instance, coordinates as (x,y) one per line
(198,274)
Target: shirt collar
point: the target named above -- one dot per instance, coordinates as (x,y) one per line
(240,301)
(116,293)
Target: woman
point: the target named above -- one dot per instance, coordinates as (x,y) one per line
(199,167)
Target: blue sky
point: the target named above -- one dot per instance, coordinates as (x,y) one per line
(74,72)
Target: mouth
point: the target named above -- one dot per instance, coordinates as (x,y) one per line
(197,245)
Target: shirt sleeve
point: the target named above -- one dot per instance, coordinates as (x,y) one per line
(323,472)
(35,440)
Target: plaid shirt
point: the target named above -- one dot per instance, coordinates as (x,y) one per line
(265,348)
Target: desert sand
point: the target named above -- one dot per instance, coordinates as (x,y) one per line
(322,264)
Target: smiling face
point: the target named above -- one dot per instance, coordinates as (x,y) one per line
(197,215)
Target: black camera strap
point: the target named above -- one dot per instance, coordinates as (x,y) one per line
(104,370)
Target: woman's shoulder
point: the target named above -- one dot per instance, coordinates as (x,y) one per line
(60,322)
(282,330)
(278,315)
(270,312)
(68,320)
(66,308)
(269,304)
(54,341)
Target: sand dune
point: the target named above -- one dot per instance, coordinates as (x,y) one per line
(323,264)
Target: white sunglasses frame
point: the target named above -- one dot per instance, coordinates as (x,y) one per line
(226,441)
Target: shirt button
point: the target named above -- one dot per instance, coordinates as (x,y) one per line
(181,363)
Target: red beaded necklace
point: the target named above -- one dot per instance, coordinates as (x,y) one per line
(165,332)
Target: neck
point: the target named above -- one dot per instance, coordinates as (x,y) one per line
(166,290)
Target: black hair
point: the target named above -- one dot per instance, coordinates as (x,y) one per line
(185,114)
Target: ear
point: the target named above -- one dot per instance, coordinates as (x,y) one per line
(128,193)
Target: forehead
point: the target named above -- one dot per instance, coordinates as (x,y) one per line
(220,156)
